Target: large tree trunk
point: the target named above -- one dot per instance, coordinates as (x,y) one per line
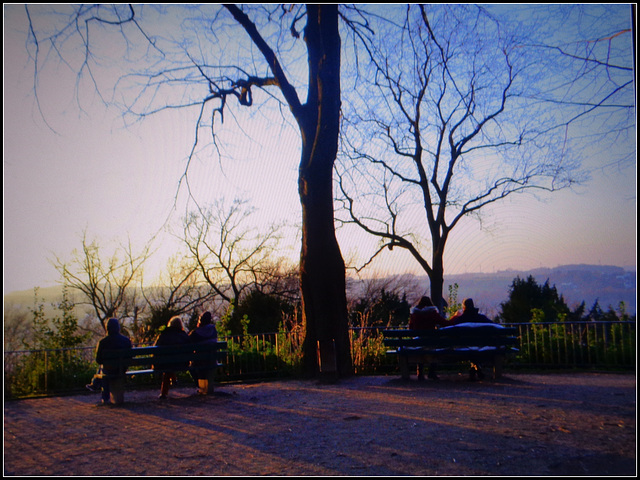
(322,270)
(436,281)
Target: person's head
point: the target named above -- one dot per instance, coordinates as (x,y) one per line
(175,322)
(113,326)
(205,319)
(467,305)
(425,302)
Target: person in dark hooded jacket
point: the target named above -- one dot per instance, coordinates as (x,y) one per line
(469,314)
(174,334)
(114,340)
(205,332)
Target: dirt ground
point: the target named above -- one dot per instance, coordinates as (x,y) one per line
(521,425)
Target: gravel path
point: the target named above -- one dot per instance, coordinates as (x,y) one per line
(522,425)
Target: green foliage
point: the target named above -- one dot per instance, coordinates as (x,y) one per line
(223,327)
(231,321)
(597,313)
(530,302)
(369,352)
(528,299)
(577,344)
(54,362)
(264,310)
(383,309)
(58,332)
(453,303)
(251,354)
(290,351)
(156,322)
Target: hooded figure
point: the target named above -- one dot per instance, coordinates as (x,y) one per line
(114,340)
(469,314)
(205,332)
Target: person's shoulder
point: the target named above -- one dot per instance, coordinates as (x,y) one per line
(123,339)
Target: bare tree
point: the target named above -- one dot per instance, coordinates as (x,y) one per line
(231,255)
(322,269)
(178,291)
(107,284)
(459,115)
(390,294)
(182,73)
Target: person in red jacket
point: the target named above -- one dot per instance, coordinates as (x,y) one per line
(425,316)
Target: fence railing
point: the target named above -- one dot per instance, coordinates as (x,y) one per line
(600,345)
(577,345)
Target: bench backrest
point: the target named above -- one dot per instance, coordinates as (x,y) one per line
(167,355)
(469,335)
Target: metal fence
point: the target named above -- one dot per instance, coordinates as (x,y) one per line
(577,345)
(598,345)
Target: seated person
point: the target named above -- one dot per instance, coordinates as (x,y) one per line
(173,334)
(205,332)
(113,340)
(469,314)
(425,316)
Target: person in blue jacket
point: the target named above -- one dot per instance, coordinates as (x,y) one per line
(113,340)
(469,314)
(205,332)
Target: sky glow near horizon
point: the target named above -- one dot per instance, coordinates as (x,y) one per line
(117,183)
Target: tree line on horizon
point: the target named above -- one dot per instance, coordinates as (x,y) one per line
(379,303)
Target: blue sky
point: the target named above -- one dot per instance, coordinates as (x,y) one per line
(91,174)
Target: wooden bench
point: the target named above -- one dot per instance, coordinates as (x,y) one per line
(160,359)
(482,344)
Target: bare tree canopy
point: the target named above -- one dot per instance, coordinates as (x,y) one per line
(199,57)
(106,283)
(466,106)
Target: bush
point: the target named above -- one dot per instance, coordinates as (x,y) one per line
(53,362)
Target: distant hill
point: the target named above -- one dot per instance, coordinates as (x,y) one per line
(609,285)
(576,283)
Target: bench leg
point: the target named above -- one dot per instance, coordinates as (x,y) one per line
(404,367)
(168,379)
(497,367)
